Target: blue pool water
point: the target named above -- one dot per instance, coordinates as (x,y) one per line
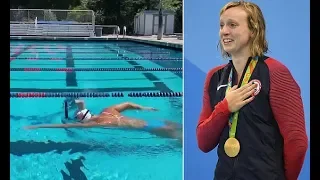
(95,153)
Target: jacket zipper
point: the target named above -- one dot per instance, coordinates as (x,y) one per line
(233,168)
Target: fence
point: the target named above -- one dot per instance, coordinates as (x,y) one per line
(51,22)
(54,16)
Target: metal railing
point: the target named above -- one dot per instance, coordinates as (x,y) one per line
(57,16)
(51,30)
(55,22)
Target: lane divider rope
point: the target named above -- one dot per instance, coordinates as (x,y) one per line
(93,94)
(93,52)
(94,69)
(84,47)
(103,58)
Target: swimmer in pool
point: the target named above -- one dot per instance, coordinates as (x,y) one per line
(111,117)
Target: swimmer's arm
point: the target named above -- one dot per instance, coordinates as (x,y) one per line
(212,120)
(80,104)
(85,125)
(287,107)
(128,105)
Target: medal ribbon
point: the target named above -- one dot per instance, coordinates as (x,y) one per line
(247,75)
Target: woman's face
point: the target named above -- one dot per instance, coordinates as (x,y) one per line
(234,31)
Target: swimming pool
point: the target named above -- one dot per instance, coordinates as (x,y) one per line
(96,153)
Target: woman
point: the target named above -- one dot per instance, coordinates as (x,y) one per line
(252,107)
(111,117)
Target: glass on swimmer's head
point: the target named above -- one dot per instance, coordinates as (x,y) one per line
(70,108)
(71,116)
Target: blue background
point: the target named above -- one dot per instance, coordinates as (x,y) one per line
(288,34)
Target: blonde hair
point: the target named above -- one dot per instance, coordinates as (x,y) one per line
(256,24)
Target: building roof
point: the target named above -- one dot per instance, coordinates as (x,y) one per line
(155,12)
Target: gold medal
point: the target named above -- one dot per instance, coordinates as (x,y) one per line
(232,147)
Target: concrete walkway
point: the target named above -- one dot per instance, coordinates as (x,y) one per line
(166,40)
(169,41)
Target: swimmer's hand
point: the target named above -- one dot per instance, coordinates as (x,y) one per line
(30,127)
(150,109)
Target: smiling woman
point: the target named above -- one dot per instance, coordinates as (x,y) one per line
(252,105)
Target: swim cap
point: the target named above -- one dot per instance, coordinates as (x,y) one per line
(83,115)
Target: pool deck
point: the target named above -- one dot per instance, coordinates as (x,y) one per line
(169,41)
